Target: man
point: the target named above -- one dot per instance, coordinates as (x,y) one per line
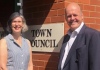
(80,51)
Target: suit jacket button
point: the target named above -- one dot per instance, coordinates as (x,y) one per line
(76,61)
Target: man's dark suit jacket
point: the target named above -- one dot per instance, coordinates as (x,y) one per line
(84,53)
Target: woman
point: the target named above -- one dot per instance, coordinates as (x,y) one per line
(15,50)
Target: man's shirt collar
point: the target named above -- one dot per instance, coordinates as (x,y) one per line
(76,31)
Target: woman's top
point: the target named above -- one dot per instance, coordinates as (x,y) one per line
(18,57)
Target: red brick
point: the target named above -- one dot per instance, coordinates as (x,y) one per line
(31,9)
(35,68)
(61,0)
(31,21)
(90,20)
(57,6)
(46,57)
(0,24)
(81,6)
(90,8)
(84,1)
(65,4)
(43,20)
(98,14)
(98,20)
(50,1)
(38,63)
(93,2)
(38,14)
(57,19)
(28,16)
(47,20)
(51,64)
(93,14)
(41,57)
(98,9)
(50,68)
(53,58)
(66,27)
(95,26)
(61,12)
(86,13)
(51,13)
(44,7)
(73,1)
(98,2)
(87,24)
(55,0)
(41,68)
(32,4)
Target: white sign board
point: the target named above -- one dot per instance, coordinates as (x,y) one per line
(46,37)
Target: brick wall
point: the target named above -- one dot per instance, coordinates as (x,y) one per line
(91,11)
(6,9)
(41,12)
(44,12)
(52,11)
